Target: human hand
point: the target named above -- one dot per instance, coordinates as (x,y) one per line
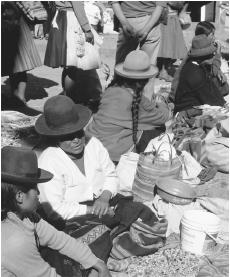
(89,37)
(102,269)
(128,29)
(142,34)
(100,207)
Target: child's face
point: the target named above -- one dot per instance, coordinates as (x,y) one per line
(30,200)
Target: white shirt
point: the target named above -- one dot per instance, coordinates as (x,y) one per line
(92,12)
(69,185)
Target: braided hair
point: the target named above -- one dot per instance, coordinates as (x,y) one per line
(137,85)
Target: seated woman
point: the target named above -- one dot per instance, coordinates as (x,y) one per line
(128,116)
(22,229)
(81,166)
(208,29)
(196,86)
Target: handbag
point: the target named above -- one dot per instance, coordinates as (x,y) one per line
(126,170)
(151,167)
(185,20)
(33,11)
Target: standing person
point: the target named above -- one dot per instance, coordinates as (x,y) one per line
(27,58)
(139,22)
(172,45)
(82,86)
(22,229)
(128,116)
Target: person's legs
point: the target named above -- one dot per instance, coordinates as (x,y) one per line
(124,46)
(18,82)
(151,45)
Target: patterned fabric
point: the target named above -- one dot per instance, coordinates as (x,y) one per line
(141,239)
(90,230)
(34,11)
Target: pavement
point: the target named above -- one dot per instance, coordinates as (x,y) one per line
(45,82)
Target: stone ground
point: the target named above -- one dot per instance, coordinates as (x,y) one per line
(45,82)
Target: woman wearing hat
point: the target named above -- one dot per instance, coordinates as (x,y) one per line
(81,166)
(128,116)
(196,84)
(22,229)
(208,29)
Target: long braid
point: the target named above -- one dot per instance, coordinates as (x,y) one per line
(135,111)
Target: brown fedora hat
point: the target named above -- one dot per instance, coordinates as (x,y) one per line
(61,117)
(136,66)
(202,46)
(20,166)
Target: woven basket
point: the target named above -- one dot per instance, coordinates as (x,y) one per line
(150,168)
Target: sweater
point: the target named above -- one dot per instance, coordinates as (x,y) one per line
(61,196)
(20,255)
(112,124)
(195,89)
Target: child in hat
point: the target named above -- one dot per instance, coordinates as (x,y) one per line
(22,228)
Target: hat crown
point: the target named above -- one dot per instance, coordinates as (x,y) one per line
(60,111)
(19,162)
(136,60)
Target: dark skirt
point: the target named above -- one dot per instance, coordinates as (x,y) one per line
(172,40)
(55,55)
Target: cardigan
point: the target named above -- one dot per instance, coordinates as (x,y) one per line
(195,89)
(69,186)
(20,255)
(112,124)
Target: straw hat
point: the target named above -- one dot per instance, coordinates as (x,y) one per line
(136,66)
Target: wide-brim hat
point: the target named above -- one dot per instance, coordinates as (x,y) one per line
(202,46)
(61,117)
(136,66)
(20,166)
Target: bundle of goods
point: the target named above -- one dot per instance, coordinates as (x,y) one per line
(172,262)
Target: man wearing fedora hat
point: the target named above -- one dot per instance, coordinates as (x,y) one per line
(81,166)
(196,84)
(22,229)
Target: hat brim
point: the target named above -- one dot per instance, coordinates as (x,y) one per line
(202,52)
(151,72)
(84,116)
(43,176)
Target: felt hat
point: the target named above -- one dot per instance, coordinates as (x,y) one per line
(61,117)
(202,46)
(20,166)
(136,66)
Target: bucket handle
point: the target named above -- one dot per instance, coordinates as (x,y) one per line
(211,236)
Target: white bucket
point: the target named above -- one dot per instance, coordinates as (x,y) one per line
(199,229)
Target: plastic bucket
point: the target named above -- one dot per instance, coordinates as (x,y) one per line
(199,230)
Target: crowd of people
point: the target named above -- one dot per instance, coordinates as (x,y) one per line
(71,190)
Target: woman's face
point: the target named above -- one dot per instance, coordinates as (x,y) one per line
(75,144)
(30,200)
